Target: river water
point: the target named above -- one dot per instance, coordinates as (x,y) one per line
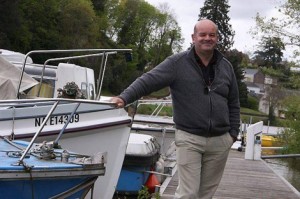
(288,168)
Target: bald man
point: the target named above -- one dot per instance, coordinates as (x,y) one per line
(206,109)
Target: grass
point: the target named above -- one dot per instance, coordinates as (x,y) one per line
(253,116)
(247,111)
(148,109)
(247,115)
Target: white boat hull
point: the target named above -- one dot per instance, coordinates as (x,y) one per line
(97,140)
(93,129)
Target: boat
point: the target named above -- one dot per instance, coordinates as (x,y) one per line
(38,170)
(67,105)
(269,141)
(141,159)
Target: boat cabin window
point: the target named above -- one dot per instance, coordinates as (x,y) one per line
(46,90)
(92,91)
(84,90)
(48,83)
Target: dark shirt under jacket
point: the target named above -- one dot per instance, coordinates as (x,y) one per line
(207,71)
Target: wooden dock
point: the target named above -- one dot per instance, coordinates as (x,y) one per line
(245,179)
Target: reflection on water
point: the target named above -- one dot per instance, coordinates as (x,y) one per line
(289,168)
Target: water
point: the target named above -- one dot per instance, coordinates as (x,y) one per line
(288,168)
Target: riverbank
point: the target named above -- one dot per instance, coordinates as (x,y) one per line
(289,169)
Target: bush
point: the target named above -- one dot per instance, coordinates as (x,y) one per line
(253,103)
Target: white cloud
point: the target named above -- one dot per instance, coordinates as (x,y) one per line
(241,13)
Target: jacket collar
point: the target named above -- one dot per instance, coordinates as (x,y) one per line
(217,54)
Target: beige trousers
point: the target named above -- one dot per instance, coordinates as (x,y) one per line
(200,162)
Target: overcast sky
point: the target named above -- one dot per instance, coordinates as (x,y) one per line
(241,13)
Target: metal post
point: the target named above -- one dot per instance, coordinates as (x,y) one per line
(38,132)
(66,124)
(253,147)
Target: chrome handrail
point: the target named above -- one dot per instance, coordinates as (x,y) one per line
(104,51)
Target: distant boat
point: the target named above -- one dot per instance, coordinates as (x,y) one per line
(269,141)
(87,125)
(142,155)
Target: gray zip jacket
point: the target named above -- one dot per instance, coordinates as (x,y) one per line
(197,108)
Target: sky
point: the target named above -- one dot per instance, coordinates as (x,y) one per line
(241,13)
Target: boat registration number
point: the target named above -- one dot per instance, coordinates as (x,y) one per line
(55,120)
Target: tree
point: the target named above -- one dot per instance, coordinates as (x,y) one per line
(285,28)
(291,135)
(139,25)
(78,25)
(271,52)
(39,20)
(9,23)
(166,37)
(217,11)
(271,100)
(235,57)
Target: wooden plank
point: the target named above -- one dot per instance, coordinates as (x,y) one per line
(246,179)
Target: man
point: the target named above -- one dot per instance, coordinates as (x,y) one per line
(206,109)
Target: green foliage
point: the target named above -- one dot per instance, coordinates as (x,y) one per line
(156,195)
(285,28)
(10,25)
(161,93)
(217,11)
(291,135)
(151,33)
(78,25)
(235,57)
(253,103)
(143,193)
(149,108)
(250,119)
(249,115)
(41,18)
(293,81)
(271,52)
(251,111)
(292,108)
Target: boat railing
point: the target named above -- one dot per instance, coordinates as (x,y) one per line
(90,53)
(55,103)
(162,123)
(160,104)
(45,101)
(154,118)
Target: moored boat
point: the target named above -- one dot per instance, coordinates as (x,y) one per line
(142,154)
(269,141)
(38,170)
(87,125)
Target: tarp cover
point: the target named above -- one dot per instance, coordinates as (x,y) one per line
(9,80)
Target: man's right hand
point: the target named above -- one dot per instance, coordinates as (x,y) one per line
(118,101)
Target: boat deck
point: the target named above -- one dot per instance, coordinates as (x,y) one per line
(244,179)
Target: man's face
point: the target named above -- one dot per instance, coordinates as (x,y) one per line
(205,37)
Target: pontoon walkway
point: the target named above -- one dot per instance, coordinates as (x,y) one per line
(245,179)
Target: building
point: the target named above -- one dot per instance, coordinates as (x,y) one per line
(255,81)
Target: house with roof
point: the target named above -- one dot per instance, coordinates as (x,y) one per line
(255,81)
(254,75)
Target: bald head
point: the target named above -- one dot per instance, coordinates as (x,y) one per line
(205,22)
(205,37)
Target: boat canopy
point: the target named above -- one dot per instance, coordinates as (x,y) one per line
(9,80)
(14,57)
